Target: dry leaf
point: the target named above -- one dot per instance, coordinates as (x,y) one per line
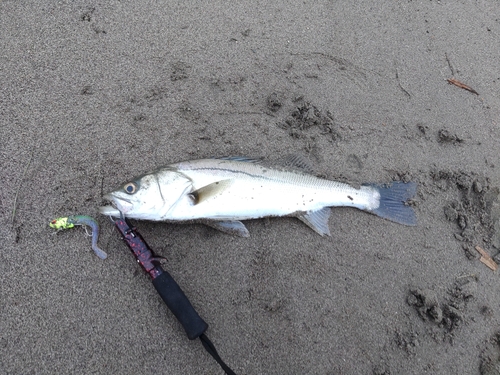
(457,83)
(486,259)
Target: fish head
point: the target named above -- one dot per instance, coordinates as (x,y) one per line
(148,197)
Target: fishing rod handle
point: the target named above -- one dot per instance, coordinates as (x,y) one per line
(179,304)
(165,285)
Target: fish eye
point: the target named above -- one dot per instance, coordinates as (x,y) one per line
(130,188)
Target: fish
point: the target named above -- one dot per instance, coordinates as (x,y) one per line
(223,192)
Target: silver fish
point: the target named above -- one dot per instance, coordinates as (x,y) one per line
(221,192)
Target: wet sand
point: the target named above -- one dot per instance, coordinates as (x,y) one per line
(93,94)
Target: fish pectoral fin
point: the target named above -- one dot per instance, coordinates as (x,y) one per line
(209,191)
(236,228)
(317,220)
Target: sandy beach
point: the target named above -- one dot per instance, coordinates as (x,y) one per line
(95,93)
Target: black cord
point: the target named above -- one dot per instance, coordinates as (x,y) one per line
(207,344)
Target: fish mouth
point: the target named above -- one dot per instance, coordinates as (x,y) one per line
(118,207)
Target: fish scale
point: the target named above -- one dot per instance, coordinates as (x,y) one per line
(280,185)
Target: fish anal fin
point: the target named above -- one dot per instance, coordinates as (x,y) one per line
(234,227)
(209,191)
(317,220)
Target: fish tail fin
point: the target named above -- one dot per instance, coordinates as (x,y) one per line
(393,204)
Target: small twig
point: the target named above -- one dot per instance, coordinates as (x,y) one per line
(400,86)
(449,64)
(472,275)
(457,83)
(19,188)
(486,259)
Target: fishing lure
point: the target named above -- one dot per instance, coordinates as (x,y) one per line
(71,221)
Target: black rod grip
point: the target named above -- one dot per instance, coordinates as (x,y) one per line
(180,306)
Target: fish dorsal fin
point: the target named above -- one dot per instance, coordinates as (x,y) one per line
(317,220)
(210,191)
(293,162)
(234,227)
(297,162)
(241,158)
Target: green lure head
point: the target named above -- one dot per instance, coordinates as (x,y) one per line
(61,223)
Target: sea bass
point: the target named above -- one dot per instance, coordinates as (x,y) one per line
(221,192)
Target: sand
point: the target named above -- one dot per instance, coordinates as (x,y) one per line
(94,93)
